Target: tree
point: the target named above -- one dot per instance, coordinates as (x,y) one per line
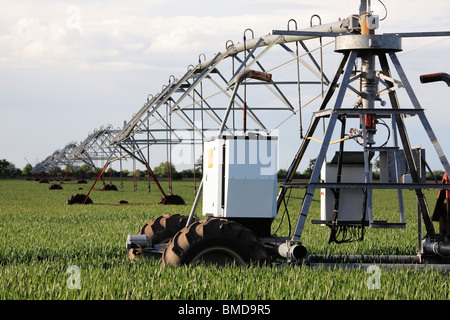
(139,173)
(26,171)
(189,174)
(199,164)
(161,170)
(438,174)
(281,174)
(310,168)
(7,169)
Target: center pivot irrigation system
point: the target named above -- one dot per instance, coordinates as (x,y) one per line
(239,184)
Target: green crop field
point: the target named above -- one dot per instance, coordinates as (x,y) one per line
(42,239)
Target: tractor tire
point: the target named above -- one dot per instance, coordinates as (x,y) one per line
(160,230)
(214,241)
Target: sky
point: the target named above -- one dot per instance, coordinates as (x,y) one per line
(69,67)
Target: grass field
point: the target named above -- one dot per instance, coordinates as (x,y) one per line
(41,237)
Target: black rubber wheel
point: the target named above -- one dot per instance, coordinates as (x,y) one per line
(214,241)
(160,230)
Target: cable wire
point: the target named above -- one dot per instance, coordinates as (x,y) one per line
(385,9)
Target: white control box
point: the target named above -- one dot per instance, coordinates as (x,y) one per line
(240,176)
(351,201)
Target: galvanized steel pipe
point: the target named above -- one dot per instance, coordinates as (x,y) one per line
(335,27)
(292,252)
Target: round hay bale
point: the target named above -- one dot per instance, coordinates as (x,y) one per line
(172,199)
(54,186)
(78,198)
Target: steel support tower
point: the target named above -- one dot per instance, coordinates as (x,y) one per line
(368,48)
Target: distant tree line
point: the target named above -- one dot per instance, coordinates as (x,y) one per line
(306,174)
(9,170)
(163,170)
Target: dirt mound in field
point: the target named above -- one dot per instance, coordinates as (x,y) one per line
(78,198)
(172,199)
(109,187)
(43,180)
(80,181)
(54,186)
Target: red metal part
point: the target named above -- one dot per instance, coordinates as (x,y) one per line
(65,176)
(442,210)
(369,120)
(433,77)
(98,178)
(258,75)
(151,173)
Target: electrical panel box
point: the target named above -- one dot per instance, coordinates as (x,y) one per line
(240,176)
(351,201)
(395,169)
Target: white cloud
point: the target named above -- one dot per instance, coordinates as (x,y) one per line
(117,65)
(134,46)
(175,40)
(55,34)
(33,43)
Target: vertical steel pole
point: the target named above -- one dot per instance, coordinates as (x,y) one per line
(397,171)
(323,150)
